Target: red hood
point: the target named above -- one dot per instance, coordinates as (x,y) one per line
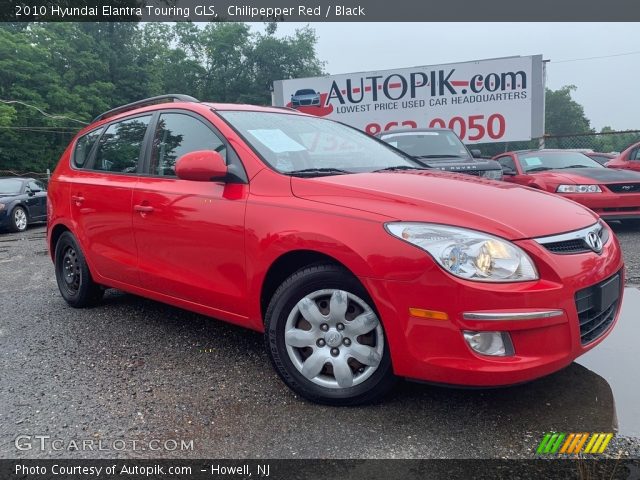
(504,209)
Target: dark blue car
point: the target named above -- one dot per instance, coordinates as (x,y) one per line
(305,97)
(22,201)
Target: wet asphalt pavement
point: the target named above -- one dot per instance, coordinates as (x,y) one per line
(132,374)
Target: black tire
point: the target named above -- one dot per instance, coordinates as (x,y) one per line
(72,274)
(19,219)
(302,283)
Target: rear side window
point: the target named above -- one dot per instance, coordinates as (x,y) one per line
(177,134)
(120,145)
(84,145)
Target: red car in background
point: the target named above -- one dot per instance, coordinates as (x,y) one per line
(612,194)
(357,262)
(627,160)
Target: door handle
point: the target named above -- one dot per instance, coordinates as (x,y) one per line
(77,198)
(143,208)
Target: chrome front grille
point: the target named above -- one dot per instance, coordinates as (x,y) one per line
(575,242)
(624,187)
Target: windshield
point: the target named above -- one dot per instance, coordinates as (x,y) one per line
(295,143)
(428,144)
(537,161)
(305,92)
(9,186)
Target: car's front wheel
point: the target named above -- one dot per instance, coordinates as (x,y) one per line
(19,219)
(325,338)
(72,274)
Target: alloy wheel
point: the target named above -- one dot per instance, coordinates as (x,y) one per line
(20,219)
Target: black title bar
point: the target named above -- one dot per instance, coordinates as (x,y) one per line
(317,10)
(136,469)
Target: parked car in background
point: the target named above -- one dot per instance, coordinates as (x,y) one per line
(601,157)
(441,148)
(628,159)
(22,201)
(358,263)
(612,194)
(305,98)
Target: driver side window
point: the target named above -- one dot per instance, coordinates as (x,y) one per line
(35,186)
(507,163)
(635,154)
(177,134)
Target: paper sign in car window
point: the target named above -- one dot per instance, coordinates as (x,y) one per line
(532,161)
(276,140)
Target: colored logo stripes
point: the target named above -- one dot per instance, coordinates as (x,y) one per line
(562,443)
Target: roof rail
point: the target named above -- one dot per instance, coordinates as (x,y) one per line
(144,103)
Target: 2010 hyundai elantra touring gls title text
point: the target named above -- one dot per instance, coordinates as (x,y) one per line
(358,263)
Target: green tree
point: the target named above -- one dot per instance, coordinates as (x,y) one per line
(278,58)
(78,70)
(563,115)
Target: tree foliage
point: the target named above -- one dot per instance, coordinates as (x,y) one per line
(79,70)
(564,116)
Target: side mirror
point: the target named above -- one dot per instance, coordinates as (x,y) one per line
(475,153)
(508,172)
(201,166)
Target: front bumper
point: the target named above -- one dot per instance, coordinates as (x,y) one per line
(435,350)
(609,205)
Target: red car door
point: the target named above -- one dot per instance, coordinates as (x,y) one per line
(629,159)
(100,196)
(190,235)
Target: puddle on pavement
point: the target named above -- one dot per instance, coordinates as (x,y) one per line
(615,360)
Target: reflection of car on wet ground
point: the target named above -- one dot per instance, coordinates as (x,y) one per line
(305,97)
(441,149)
(22,201)
(612,194)
(357,270)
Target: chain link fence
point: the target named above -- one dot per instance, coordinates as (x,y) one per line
(42,176)
(605,142)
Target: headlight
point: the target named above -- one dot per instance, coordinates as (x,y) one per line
(492,174)
(578,189)
(468,254)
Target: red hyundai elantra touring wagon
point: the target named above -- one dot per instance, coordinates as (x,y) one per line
(358,263)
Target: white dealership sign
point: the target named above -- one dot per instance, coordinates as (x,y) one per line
(496,100)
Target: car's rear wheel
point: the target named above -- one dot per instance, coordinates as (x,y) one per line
(19,219)
(325,338)
(72,274)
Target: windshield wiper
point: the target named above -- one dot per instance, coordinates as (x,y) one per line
(399,167)
(438,156)
(538,169)
(573,166)
(317,171)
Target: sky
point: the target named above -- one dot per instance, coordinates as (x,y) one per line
(608,88)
